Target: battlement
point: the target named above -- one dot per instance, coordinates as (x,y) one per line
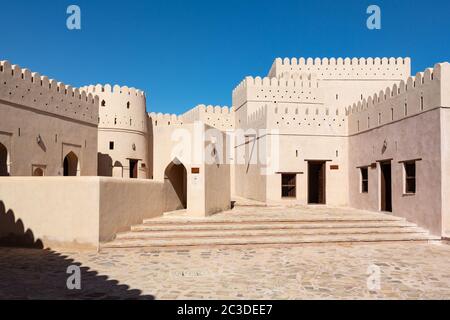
(116,89)
(121,107)
(417,95)
(344,68)
(216,116)
(287,88)
(25,88)
(201,108)
(160,119)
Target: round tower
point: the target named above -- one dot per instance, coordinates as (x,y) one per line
(122,132)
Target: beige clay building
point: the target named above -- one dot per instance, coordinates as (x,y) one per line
(359,133)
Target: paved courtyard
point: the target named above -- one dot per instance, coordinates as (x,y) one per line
(407,271)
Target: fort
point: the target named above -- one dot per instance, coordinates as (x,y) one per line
(346,132)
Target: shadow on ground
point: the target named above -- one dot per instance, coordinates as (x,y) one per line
(27,271)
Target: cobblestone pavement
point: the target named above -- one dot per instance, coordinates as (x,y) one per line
(407,271)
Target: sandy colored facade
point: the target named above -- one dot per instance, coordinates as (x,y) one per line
(343,132)
(46,127)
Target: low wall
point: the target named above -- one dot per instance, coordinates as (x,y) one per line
(124,203)
(75,212)
(56,211)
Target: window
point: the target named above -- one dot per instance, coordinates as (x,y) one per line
(103,103)
(288,185)
(128,105)
(410,177)
(364,180)
(111,145)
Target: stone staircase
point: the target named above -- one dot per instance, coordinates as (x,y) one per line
(270,226)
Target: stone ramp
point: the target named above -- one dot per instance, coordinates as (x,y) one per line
(254,226)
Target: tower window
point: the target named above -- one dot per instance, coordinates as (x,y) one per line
(103,103)
(410,177)
(111,145)
(128,105)
(364,180)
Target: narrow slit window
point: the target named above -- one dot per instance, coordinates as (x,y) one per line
(111,145)
(364,180)
(410,177)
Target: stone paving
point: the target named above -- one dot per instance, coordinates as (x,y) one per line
(407,271)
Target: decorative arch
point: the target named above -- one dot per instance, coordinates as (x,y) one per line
(71,165)
(4,161)
(176,176)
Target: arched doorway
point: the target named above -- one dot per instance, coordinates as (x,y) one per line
(3,161)
(176,175)
(70,165)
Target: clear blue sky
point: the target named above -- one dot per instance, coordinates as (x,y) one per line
(183,53)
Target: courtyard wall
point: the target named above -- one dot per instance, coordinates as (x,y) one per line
(80,212)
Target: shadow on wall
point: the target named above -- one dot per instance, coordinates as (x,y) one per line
(105,165)
(13,233)
(27,273)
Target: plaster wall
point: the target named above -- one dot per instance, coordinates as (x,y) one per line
(95,208)
(77,226)
(122,122)
(416,137)
(43,120)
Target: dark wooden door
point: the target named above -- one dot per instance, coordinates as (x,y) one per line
(386,187)
(133,169)
(316,182)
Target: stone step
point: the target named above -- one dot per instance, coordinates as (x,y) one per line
(269,225)
(263,232)
(302,219)
(266,240)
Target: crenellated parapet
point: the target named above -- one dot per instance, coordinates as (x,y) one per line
(216,116)
(120,107)
(22,87)
(288,88)
(344,68)
(417,94)
(108,89)
(164,120)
